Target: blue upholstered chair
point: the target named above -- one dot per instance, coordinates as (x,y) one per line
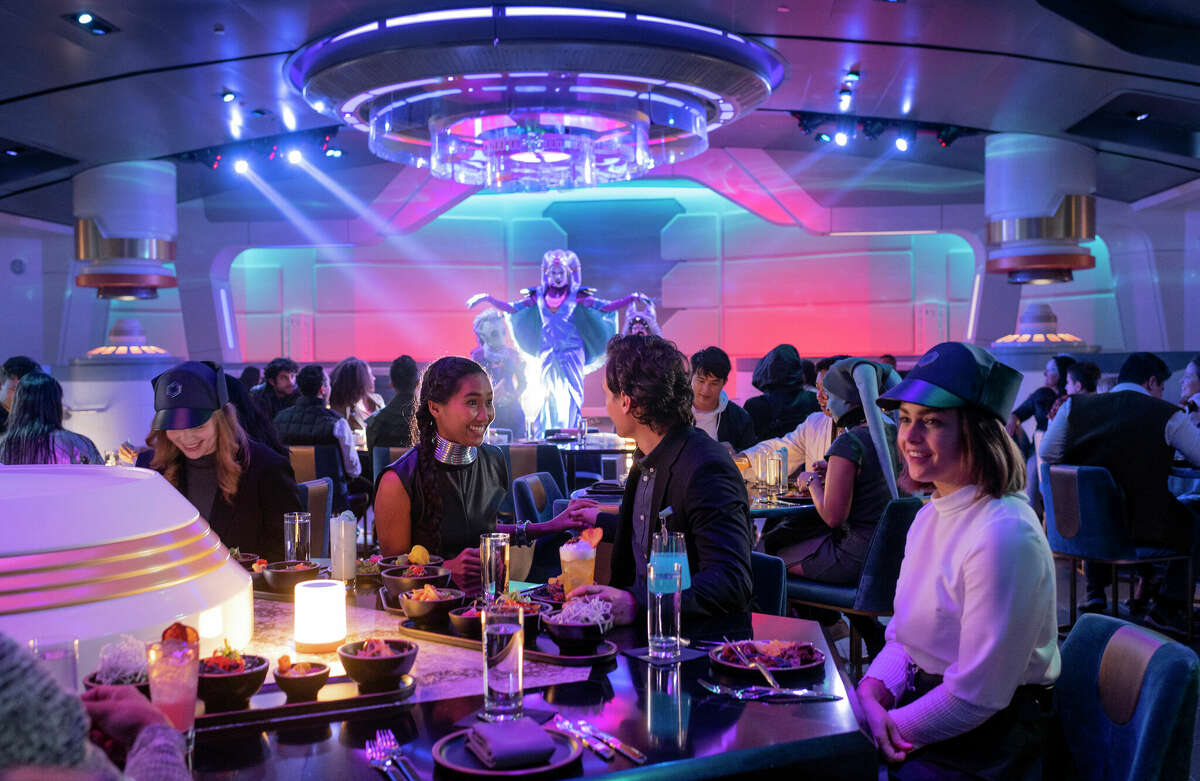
(769,574)
(312,461)
(527,459)
(316,497)
(1085,519)
(876,588)
(534,499)
(1126,702)
(382,456)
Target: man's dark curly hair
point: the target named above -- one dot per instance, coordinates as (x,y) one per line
(653,373)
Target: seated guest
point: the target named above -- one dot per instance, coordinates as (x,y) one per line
(1134,434)
(785,402)
(1037,404)
(257,426)
(241,487)
(716,415)
(310,422)
(963,687)
(278,390)
(444,493)
(1082,377)
(648,396)
(1189,389)
(352,392)
(13,370)
(250,376)
(35,434)
(888,359)
(392,426)
(809,442)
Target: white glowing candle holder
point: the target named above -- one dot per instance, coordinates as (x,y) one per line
(320,616)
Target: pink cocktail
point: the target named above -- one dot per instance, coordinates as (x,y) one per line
(174,670)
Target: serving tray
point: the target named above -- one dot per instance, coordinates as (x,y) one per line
(545,650)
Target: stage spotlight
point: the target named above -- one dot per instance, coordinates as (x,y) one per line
(949,134)
(824,137)
(333,151)
(84,18)
(845,131)
(294,156)
(840,138)
(906,137)
(241,166)
(852,76)
(228,95)
(809,122)
(901,144)
(90,22)
(844,98)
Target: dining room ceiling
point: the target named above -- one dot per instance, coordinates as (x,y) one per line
(153,89)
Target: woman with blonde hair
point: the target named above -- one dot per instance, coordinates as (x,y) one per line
(240,486)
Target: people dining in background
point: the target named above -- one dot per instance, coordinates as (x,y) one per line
(445,492)
(11,373)
(35,433)
(781,376)
(1133,433)
(250,376)
(257,426)
(716,415)
(278,389)
(648,395)
(1038,405)
(392,426)
(352,392)
(1189,389)
(310,422)
(1082,378)
(240,486)
(963,686)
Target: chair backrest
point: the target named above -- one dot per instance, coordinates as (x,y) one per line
(310,462)
(534,497)
(1084,511)
(527,459)
(316,496)
(769,574)
(1126,701)
(382,456)
(877,584)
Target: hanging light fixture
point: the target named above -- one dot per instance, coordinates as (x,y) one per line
(528,98)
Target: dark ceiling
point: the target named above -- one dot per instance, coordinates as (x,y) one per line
(153,89)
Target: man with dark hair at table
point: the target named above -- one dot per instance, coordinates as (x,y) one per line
(716,415)
(14,369)
(310,422)
(680,469)
(278,389)
(1134,434)
(392,425)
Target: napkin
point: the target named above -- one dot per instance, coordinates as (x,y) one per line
(510,744)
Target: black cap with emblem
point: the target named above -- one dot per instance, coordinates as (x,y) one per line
(185,396)
(956,374)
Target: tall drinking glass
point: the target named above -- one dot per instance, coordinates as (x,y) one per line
(668,547)
(663,581)
(174,670)
(61,659)
(578,560)
(296,536)
(343,546)
(775,477)
(503,664)
(493,564)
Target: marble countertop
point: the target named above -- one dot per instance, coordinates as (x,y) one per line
(441,671)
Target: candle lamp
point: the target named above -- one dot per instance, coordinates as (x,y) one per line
(320,616)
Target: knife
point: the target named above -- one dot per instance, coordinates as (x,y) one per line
(629,751)
(595,744)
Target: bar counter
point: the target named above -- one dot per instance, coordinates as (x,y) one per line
(687,732)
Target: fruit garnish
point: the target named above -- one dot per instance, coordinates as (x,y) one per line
(418,555)
(180,632)
(259,565)
(284,664)
(592,535)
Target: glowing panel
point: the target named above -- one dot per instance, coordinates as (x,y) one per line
(440,16)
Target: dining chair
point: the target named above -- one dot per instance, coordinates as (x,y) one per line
(316,497)
(769,575)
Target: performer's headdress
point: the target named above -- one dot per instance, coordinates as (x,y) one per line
(569,261)
(640,312)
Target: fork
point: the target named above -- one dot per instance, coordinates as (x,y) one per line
(380,760)
(386,740)
(762,668)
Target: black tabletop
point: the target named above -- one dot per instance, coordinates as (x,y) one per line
(687,732)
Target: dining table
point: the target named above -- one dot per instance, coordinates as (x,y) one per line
(686,731)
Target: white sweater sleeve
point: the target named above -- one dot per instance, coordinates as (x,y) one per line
(345,438)
(937,716)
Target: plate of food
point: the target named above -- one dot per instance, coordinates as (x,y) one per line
(580,626)
(779,656)
(122,663)
(551,592)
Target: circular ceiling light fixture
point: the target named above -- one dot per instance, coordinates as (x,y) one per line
(531,98)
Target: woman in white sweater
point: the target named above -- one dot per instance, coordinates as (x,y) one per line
(963,687)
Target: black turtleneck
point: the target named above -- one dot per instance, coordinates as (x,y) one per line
(202,483)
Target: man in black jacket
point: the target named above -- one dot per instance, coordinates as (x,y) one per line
(278,389)
(715,414)
(649,398)
(392,425)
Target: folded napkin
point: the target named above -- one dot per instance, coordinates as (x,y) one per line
(510,744)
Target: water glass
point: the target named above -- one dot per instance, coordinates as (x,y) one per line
(503,664)
(296,536)
(60,659)
(666,547)
(173,667)
(775,477)
(663,581)
(343,546)
(493,564)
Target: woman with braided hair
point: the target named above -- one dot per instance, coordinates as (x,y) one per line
(445,492)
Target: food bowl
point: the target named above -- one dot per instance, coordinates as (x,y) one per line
(396,582)
(387,562)
(90,682)
(576,639)
(231,691)
(378,673)
(299,688)
(431,612)
(472,626)
(283,580)
(246,560)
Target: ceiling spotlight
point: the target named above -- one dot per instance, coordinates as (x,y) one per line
(901,144)
(845,131)
(85,18)
(852,76)
(12,151)
(906,137)
(949,134)
(1140,116)
(844,97)
(333,151)
(294,156)
(809,122)
(228,95)
(873,128)
(241,166)
(840,138)
(90,22)
(824,137)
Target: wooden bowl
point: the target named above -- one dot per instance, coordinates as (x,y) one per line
(283,580)
(299,688)
(232,691)
(431,612)
(378,673)
(396,582)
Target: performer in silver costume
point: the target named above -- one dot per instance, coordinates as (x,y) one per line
(505,367)
(566,327)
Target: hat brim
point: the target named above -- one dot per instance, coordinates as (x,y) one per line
(920,392)
(179,418)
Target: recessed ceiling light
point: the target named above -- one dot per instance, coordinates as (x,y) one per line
(228,95)
(824,137)
(852,76)
(12,152)
(88,21)
(294,156)
(1141,116)
(241,166)
(840,138)
(84,18)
